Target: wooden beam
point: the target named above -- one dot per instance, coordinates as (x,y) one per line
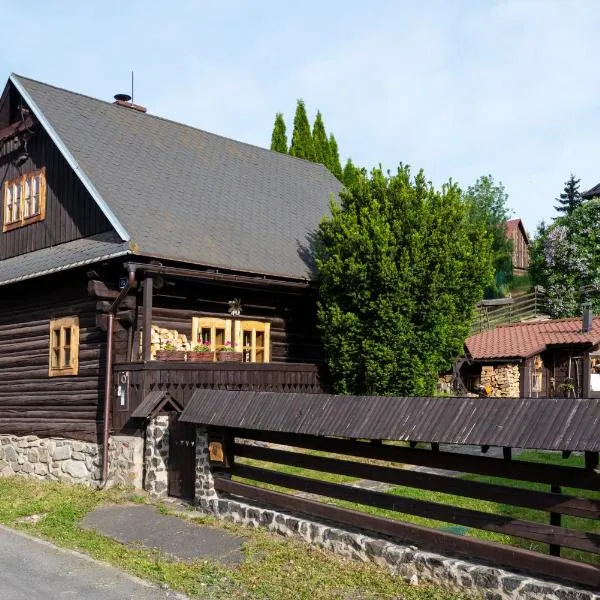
(544,501)
(147,321)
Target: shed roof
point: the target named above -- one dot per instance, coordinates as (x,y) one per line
(592,192)
(185,194)
(536,423)
(522,340)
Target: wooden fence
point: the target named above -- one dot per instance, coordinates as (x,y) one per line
(382,462)
(491,313)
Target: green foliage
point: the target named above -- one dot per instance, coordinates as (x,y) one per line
(279,136)
(351,173)
(302,142)
(334,158)
(487,206)
(320,141)
(400,268)
(565,256)
(571,198)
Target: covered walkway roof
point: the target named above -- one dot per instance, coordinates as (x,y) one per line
(535,423)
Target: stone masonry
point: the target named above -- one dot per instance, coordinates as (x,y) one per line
(414,565)
(156,457)
(502,381)
(70,461)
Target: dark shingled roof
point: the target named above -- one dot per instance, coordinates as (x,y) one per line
(64,256)
(189,195)
(536,423)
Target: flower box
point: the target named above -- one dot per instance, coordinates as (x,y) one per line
(228,356)
(200,356)
(176,355)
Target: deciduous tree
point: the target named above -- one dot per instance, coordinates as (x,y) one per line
(400,267)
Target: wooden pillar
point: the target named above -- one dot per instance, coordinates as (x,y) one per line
(525,378)
(555,520)
(147,325)
(586,372)
(507,453)
(591,460)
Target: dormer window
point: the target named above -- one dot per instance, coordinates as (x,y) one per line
(24,200)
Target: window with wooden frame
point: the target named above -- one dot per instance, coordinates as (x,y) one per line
(211,331)
(24,200)
(255,337)
(64,347)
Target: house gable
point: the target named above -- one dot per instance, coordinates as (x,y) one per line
(69,212)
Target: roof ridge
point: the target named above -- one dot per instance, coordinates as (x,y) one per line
(531,323)
(186,125)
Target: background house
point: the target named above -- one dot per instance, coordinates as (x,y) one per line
(553,358)
(515,232)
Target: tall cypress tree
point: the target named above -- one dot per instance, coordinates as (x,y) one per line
(334,158)
(570,199)
(279,137)
(320,142)
(302,143)
(350,174)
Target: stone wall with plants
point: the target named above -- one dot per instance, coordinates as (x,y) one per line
(501,381)
(72,461)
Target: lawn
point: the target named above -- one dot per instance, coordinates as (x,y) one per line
(516,512)
(274,567)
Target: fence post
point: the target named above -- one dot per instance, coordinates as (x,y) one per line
(555,520)
(205,495)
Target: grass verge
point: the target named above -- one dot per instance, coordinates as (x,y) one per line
(274,567)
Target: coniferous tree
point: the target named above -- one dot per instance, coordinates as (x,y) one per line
(302,142)
(320,142)
(350,174)
(334,158)
(279,137)
(570,199)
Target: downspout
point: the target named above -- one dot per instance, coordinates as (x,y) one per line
(108,375)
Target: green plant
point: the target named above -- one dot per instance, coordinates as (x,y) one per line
(169,346)
(204,347)
(228,347)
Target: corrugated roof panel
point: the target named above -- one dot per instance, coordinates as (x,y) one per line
(536,423)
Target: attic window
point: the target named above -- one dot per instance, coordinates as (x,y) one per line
(24,200)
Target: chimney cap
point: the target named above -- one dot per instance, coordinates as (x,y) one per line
(123,97)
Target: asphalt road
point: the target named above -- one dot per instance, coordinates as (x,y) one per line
(31,569)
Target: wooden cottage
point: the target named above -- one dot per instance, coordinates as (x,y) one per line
(515,232)
(542,359)
(126,238)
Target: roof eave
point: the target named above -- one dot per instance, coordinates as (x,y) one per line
(106,210)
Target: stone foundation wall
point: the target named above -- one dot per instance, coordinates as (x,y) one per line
(501,381)
(409,562)
(71,461)
(156,457)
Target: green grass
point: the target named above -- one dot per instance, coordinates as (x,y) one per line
(521,284)
(515,512)
(273,567)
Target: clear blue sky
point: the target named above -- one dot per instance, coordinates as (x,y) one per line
(458,88)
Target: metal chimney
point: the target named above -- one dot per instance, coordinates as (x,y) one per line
(588,318)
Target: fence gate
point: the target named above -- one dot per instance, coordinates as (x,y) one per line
(182,458)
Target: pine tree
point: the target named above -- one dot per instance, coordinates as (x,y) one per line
(279,137)
(334,158)
(570,199)
(320,142)
(302,142)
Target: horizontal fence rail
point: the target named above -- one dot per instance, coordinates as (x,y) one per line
(554,501)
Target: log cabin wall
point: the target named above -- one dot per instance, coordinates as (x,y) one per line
(31,402)
(71,212)
(294,335)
